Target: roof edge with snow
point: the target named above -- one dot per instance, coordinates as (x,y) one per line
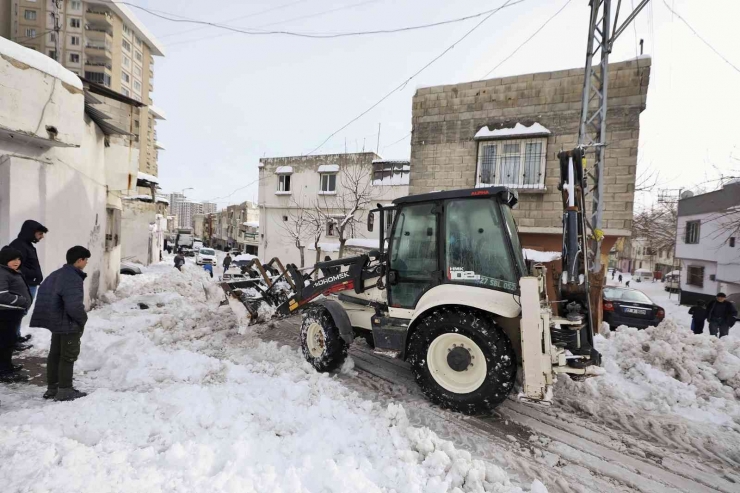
(39,61)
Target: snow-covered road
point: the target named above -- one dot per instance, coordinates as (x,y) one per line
(181,401)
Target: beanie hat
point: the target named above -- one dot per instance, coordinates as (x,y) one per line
(76,253)
(721,295)
(8,253)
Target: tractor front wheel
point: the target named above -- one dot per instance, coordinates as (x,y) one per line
(321,342)
(462,360)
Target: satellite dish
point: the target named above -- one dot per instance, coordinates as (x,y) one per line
(687,194)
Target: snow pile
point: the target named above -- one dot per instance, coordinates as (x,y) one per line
(517,130)
(668,369)
(537,256)
(180,401)
(147,177)
(39,61)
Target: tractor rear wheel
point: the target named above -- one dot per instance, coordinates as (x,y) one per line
(462,360)
(321,342)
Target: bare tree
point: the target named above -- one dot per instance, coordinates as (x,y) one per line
(297,226)
(315,224)
(346,209)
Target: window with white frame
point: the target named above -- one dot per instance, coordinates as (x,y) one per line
(693,232)
(331,227)
(126,45)
(30,33)
(126,61)
(137,70)
(283,183)
(138,41)
(328,182)
(126,29)
(29,15)
(515,163)
(74,58)
(125,92)
(74,40)
(74,22)
(125,77)
(137,85)
(138,55)
(75,5)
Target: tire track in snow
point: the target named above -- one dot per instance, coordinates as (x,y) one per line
(576,454)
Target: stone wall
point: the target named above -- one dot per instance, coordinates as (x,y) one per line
(446,118)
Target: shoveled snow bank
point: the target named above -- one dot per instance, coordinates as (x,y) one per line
(665,379)
(181,402)
(39,61)
(537,256)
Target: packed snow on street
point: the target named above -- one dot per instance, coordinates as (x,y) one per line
(184,399)
(180,401)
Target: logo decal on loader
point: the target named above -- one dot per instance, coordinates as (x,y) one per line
(458,274)
(327,280)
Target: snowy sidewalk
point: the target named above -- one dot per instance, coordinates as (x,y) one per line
(181,402)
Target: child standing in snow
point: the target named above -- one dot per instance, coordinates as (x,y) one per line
(620,278)
(698,314)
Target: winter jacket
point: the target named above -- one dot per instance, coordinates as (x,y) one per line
(698,313)
(227,262)
(179,260)
(14,292)
(60,305)
(24,244)
(723,313)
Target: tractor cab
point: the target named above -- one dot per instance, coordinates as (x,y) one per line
(461,237)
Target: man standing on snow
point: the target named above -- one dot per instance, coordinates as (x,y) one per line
(698,314)
(721,315)
(227,262)
(179,261)
(60,308)
(31,232)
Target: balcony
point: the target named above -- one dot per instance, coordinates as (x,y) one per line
(98,50)
(99,17)
(98,66)
(98,34)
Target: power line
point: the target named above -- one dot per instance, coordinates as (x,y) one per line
(702,39)
(404,83)
(398,141)
(527,40)
(29,38)
(254,14)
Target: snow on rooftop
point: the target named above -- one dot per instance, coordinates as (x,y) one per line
(159,145)
(537,256)
(163,200)
(144,197)
(363,242)
(39,61)
(391,161)
(157,112)
(251,224)
(518,130)
(284,170)
(147,177)
(329,168)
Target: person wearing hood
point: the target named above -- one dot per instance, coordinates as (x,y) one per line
(15,298)
(31,233)
(60,308)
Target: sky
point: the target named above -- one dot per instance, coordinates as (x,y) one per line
(232,98)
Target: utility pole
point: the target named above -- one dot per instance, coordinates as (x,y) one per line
(592,129)
(56,6)
(377,148)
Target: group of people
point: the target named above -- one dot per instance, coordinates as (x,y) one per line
(58,306)
(720,312)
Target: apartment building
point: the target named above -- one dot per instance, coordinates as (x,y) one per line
(103,42)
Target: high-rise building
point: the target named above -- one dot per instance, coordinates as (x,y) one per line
(209,208)
(185,210)
(100,40)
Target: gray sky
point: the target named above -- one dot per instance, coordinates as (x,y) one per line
(232,98)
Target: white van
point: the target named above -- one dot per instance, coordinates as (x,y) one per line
(642,275)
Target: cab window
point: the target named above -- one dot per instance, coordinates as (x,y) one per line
(477,249)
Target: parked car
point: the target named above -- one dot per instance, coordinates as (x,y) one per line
(671,281)
(630,307)
(130,269)
(206,256)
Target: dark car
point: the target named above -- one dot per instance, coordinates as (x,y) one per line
(630,307)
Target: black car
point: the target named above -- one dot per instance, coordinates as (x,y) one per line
(630,307)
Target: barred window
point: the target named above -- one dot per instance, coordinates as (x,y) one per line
(513,163)
(695,276)
(391,172)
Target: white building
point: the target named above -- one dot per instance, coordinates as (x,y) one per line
(706,244)
(642,256)
(302,198)
(65,162)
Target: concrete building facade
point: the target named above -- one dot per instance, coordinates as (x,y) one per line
(293,187)
(508,131)
(63,163)
(707,244)
(102,41)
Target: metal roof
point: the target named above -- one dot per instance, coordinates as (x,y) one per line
(100,89)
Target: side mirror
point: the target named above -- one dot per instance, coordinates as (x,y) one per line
(370,221)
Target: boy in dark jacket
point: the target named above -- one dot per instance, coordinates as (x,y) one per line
(15,298)
(721,315)
(31,233)
(698,314)
(60,307)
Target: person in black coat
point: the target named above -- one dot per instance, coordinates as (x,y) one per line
(179,261)
(698,314)
(60,308)
(721,315)
(31,233)
(15,298)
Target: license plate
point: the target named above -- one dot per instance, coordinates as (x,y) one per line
(635,311)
